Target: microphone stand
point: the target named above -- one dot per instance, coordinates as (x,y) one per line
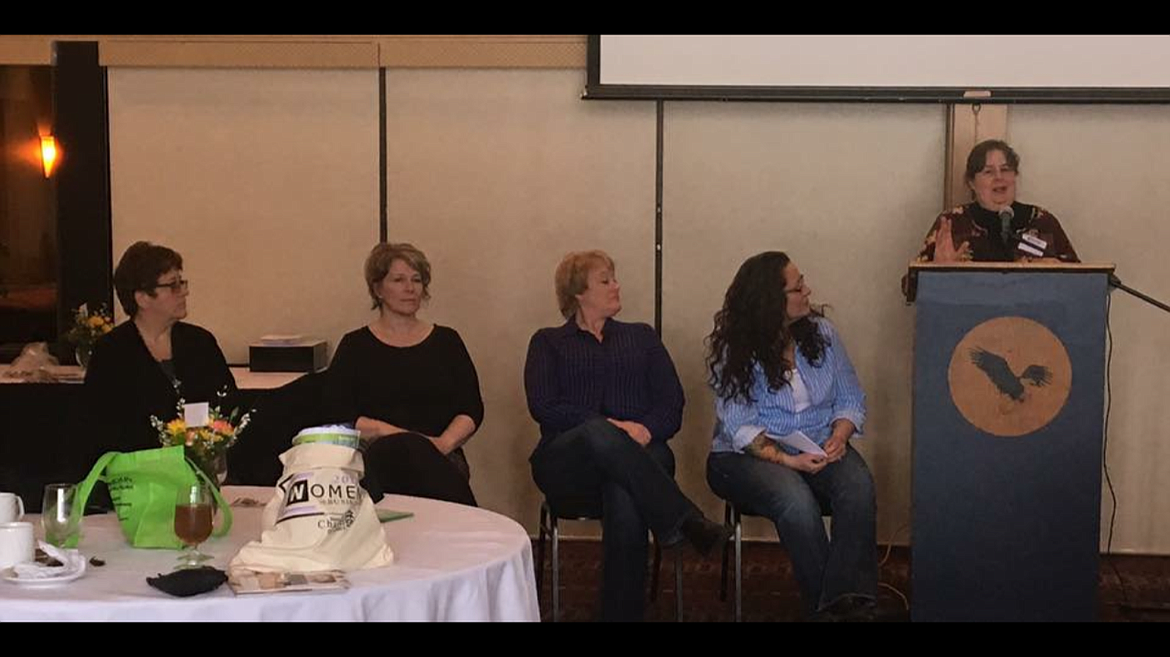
(1114,281)
(1018,239)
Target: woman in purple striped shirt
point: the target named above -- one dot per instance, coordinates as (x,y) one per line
(780,371)
(607,398)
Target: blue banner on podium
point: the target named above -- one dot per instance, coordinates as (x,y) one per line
(1009,374)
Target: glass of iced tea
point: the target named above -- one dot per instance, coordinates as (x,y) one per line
(193,506)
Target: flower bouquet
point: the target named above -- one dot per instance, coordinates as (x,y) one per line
(205,445)
(87,328)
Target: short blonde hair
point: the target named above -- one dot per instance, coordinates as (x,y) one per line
(572,277)
(383,255)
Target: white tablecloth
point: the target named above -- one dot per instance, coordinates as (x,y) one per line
(451,562)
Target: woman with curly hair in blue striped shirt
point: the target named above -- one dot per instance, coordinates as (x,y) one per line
(779,368)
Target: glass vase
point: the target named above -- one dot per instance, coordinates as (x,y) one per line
(82,354)
(215,467)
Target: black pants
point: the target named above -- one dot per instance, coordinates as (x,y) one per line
(596,470)
(410,464)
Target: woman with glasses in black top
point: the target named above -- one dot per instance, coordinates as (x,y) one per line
(143,366)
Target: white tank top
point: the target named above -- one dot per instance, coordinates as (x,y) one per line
(799,390)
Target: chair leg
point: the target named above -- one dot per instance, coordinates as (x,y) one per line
(657,563)
(738,567)
(726,554)
(556,570)
(541,533)
(678,572)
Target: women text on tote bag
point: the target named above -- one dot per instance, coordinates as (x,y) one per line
(320,517)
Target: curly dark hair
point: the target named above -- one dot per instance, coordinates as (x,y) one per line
(750,328)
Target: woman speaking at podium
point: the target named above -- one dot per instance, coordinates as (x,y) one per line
(995,227)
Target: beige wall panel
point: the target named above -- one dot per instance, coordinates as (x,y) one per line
(1103,171)
(847,191)
(496,175)
(265,181)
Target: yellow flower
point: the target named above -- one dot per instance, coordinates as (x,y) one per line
(96,321)
(176,425)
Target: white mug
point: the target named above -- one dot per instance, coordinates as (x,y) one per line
(11,507)
(17,544)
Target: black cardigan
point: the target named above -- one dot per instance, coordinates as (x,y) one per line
(125,385)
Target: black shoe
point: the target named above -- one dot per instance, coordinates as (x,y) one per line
(863,610)
(704,534)
(823,616)
(848,609)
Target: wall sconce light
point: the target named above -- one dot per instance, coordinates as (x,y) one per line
(49,154)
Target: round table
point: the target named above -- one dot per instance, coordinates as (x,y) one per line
(451,562)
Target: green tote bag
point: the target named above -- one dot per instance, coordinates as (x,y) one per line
(143,486)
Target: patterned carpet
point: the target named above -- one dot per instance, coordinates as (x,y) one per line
(1142,593)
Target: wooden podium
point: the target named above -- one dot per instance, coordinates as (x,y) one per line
(1009,384)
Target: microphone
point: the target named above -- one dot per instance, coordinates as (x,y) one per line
(1005,223)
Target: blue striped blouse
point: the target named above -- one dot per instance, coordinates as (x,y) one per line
(833,389)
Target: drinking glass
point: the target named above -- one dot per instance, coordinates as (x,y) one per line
(193,506)
(57,513)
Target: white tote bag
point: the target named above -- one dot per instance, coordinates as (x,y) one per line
(320,518)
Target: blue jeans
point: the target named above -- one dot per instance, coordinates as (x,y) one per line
(597,470)
(826,568)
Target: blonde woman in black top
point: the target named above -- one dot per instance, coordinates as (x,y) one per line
(408,385)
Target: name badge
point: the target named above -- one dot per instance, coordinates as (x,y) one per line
(1030,250)
(1034,241)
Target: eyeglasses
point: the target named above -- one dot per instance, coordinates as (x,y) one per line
(178,285)
(800,287)
(1003,171)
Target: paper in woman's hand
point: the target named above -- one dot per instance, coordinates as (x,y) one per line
(798,441)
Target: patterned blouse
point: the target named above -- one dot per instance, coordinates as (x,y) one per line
(981,228)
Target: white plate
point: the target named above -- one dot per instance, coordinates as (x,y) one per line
(9,575)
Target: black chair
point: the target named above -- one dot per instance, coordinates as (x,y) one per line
(733,517)
(549,527)
(277,416)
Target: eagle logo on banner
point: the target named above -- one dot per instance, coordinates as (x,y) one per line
(997,369)
(1010,376)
